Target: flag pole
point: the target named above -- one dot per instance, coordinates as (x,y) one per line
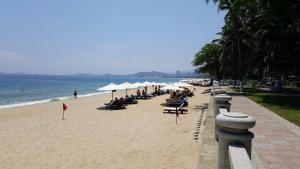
(176,115)
(63,115)
(64,109)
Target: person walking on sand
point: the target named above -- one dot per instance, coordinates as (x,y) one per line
(75,94)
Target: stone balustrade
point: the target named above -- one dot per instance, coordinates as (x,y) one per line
(231,132)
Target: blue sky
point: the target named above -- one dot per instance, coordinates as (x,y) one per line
(104,36)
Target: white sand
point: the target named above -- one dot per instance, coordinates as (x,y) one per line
(140,136)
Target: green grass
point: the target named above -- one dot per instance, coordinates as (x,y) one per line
(285,103)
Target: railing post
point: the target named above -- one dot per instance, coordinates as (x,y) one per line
(220,101)
(233,129)
(216,87)
(218,91)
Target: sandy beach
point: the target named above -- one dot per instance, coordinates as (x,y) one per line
(140,136)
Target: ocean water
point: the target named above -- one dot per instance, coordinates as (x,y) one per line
(19,90)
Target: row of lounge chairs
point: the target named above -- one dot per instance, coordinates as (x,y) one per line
(123,102)
(149,96)
(173,104)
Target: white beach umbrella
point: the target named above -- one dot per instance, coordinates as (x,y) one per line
(138,84)
(185,80)
(111,87)
(161,84)
(181,84)
(164,84)
(171,87)
(147,83)
(127,86)
(154,84)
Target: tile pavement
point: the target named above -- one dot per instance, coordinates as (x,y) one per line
(277,141)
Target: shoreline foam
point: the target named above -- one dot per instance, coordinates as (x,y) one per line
(20,104)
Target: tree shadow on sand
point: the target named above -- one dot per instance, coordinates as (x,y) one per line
(234,93)
(206,91)
(200,107)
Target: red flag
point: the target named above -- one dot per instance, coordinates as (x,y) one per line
(65,106)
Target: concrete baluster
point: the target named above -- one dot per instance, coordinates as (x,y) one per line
(233,129)
(215,88)
(218,91)
(221,101)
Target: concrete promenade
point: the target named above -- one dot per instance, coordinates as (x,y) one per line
(208,158)
(277,141)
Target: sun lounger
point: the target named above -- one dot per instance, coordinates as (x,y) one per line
(146,96)
(178,102)
(175,109)
(116,104)
(130,100)
(171,100)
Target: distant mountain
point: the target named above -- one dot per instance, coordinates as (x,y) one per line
(152,74)
(178,74)
(84,74)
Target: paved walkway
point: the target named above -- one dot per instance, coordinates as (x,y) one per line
(277,141)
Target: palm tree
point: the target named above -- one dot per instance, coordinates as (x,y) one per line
(259,38)
(232,13)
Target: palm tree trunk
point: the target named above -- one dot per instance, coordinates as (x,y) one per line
(240,62)
(237,35)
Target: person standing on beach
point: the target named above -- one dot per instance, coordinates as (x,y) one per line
(138,93)
(75,94)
